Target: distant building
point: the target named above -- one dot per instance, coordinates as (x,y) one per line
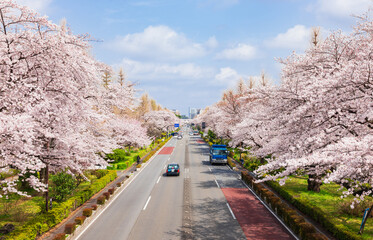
(193,112)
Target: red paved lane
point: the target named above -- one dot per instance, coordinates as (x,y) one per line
(200,142)
(166,150)
(255,220)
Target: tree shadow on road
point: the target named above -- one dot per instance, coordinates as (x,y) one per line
(213,222)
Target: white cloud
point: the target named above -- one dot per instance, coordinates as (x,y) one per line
(212,42)
(297,37)
(341,8)
(37,5)
(159,71)
(240,52)
(227,77)
(158,42)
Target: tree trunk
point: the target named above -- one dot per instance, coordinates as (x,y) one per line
(314,183)
(47,192)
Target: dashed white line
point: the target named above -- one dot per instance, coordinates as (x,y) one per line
(164,166)
(159,179)
(217,183)
(146,204)
(210,169)
(234,217)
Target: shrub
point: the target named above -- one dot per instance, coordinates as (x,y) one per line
(80,220)
(107,195)
(111,191)
(62,185)
(43,222)
(87,212)
(60,236)
(100,173)
(101,200)
(94,207)
(138,166)
(69,228)
(231,163)
(119,184)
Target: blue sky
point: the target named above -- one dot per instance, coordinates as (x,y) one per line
(186,53)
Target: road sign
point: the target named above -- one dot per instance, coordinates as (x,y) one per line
(176,125)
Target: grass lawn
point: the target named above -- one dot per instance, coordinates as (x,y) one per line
(330,202)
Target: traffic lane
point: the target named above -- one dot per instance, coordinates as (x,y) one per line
(161,217)
(118,219)
(211,216)
(225,176)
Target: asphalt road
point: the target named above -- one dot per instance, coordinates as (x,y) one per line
(189,206)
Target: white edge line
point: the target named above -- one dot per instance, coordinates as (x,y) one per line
(117,195)
(159,179)
(217,183)
(270,210)
(234,217)
(146,204)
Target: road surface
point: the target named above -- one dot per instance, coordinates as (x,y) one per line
(204,202)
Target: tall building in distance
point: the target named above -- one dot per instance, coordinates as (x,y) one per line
(193,112)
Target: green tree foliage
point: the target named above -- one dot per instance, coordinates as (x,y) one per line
(62,186)
(211,135)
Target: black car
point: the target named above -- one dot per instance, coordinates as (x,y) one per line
(173,169)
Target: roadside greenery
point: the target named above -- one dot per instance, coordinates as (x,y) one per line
(26,214)
(124,158)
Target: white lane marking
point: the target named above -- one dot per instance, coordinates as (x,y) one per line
(164,166)
(234,217)
(217,183)
(168,159)
(146,204)
(210,169)
(159,179)
(116,196)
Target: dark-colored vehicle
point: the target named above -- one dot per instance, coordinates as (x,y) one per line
(173,169)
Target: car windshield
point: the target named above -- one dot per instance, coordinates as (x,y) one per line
(219,152)
(173,166)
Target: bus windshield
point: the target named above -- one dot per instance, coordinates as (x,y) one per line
(219,152)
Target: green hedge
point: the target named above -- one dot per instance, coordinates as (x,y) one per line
(46,221)
(315,213)
(291,218)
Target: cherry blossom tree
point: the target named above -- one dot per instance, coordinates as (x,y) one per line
(47,80)
(324,113)
(159,121)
